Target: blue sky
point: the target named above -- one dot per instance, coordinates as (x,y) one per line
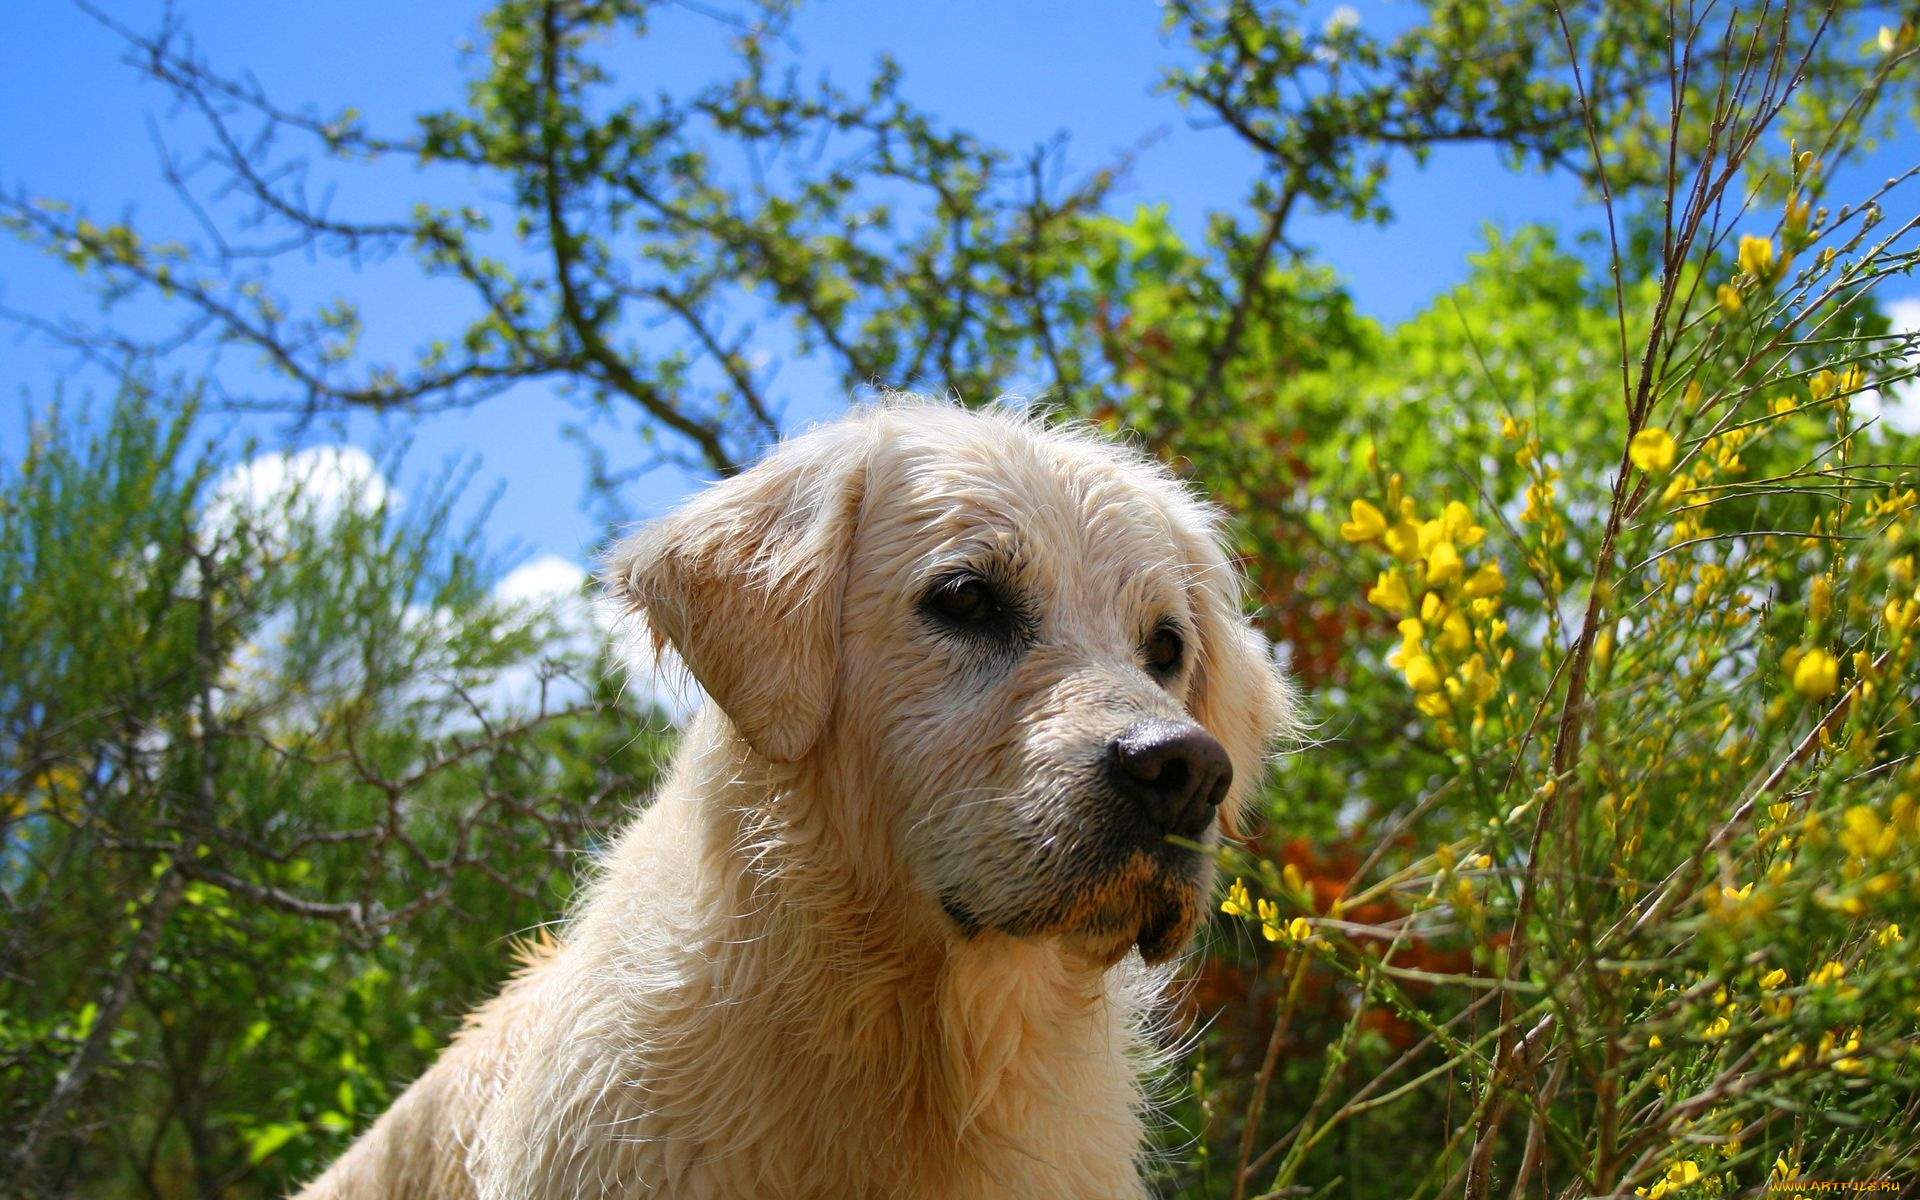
(82,126)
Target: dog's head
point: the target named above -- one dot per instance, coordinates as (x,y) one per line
(1011,657)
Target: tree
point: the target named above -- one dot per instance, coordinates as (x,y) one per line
(894,249)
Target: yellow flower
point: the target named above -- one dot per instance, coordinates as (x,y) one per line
(1730,1148)
(1793,1057)
(1717,1029)
(1678,1175)
(1236,904)
(1457,520)
(1817,675)
(1411,631)
(1831,972)
(1849,1066)
(1653,1043)
(1652,450)
(1422,675)
(1390,592)
(1820,598)
(1299,930)
(1403,540)
(1798,211)
(1890,936)
(1776,978)
(1444,565)
(1866,835)
(1899,615)
(1368,523)
(1487,581)
(1822,385)
(1513,430)
(1756,256)
(1729,298)
(1270,920)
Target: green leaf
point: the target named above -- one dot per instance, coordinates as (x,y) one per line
(265,1142)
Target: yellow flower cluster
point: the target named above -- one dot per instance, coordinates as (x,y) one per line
(1450,628)
(1836,386)
(1865,835)
(1539,512)
(1239,904)
(1679,1175)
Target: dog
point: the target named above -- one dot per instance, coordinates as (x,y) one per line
(982,697)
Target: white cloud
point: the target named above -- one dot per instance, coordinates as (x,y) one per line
(547,589)
(1905,313)
(545,581)
(312,487)
(1898,405)
(556,588)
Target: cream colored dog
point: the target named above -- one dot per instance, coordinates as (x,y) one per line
(979,686)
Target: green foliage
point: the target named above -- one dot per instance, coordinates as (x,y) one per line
(260,840)
(1601,876)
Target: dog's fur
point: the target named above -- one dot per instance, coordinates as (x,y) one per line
(872,937)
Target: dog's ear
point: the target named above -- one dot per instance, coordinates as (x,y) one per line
(1237,693)
(745,582)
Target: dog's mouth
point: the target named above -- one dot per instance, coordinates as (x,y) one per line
(1152,901)
(1157,920)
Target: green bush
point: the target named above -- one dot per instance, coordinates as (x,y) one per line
(1600,871)
(261,836)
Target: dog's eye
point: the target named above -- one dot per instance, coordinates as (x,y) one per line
(967,601)
(1165,651)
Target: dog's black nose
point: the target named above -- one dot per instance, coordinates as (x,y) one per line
(1175,771)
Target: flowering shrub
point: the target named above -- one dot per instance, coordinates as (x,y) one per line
(1600,873)
(1673,814)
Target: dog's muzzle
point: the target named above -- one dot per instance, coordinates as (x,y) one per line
(1137,879)
(1174,773)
